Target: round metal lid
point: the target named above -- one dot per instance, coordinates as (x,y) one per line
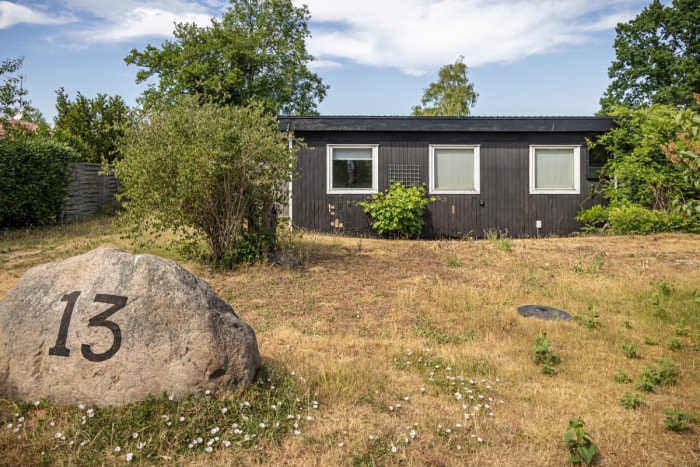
(543,312)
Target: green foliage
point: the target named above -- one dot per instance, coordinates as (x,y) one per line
(622,377)
(500,240)
(664,373)
(398,211)
(630,350)
(13,96)
(631,400)
(651,183)
(544,355)
(256,52)
(684,152)
(639,173)
(451,95)
(632,219)
(656,57)
(674,344)
(675,420)
(594,218)
(91,126)
(33,181)
(579,442)
(208,172)
(589,319)
(11,92)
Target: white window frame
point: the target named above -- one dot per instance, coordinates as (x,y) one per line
(375,169)
(576,189)
(432,173)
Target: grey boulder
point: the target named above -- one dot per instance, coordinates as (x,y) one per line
(108,328)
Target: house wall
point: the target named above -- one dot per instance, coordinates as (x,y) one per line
(503,204)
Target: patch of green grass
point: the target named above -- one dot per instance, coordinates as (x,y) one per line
(426,327)
(159,428)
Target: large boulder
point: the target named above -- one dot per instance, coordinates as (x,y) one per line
(109,327)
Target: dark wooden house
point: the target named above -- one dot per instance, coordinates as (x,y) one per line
(524,176)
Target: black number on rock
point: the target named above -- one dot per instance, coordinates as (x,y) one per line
(60,348)
(118,302)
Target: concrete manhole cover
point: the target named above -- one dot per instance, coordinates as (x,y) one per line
(543,312)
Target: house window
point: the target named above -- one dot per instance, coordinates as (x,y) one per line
(454,169)
(352,168)
(555,169)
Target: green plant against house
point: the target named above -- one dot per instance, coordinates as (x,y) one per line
(398,211)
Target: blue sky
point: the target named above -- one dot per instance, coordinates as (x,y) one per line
(524,57)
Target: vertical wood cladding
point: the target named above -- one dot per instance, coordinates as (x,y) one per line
(504,203)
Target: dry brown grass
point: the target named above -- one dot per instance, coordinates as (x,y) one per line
(363,317)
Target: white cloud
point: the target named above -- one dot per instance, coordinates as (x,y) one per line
(111,20)
(144,22)
(418,36)
(12,13)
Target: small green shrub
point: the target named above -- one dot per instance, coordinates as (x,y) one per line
(501,240)
(398,211)
(589,319)
(674,344)
(664,373)
(631,400)
(544,355)
(630,350)
(676,420)
(580,444)
(622,377)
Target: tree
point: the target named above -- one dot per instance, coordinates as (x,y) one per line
(451,95)
(256,52)
(657,57)
(207,171)
(12,93)
(13,102)
(91,126)
(684,152)
(646,190)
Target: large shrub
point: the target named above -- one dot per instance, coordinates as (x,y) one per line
(651,180)
(398,211)
(211,173)
(33,181)
(629,219)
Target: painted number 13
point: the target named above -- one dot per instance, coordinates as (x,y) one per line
(117,301)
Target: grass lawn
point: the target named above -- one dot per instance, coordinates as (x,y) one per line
(383,352)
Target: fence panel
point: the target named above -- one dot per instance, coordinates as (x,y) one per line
(88,191)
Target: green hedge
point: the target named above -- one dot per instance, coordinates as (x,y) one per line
(33,181)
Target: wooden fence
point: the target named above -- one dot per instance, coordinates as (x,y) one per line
(88,191)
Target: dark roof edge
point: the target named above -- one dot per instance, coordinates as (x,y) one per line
(447,124)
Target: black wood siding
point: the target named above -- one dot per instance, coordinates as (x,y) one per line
(504,203)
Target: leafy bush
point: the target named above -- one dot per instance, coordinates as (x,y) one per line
(593,218)
(33,181)
(398,211)
(211,173)
(630,219)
